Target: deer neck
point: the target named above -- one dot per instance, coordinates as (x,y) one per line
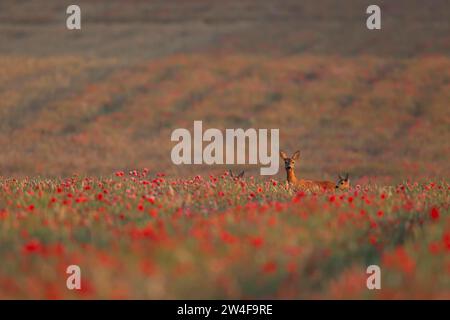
(291,178)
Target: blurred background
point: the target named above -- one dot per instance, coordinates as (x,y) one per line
(106,98)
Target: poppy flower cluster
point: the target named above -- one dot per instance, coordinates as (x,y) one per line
(147,235)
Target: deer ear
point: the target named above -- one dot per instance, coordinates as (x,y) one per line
(240,175)
(283,155)
(346,176)
(296,155)
(231,173)
(340,177)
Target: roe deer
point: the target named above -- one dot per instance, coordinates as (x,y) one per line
(240,175)
(343,182)
(289,164)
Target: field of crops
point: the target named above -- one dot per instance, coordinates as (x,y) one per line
(79,109)
(145,235)
(107,97)
(366,115)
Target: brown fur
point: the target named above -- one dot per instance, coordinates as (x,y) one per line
(239,176)
(343,183)
(303,184)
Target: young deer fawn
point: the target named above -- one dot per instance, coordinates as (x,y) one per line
(343,183)
(240,175)
(289,164)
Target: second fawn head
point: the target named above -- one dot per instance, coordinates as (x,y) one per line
(343,182)
(239,176)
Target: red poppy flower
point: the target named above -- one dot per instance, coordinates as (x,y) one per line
(434,213)
(257,241)
(269,267)
(32,246)
(446,240)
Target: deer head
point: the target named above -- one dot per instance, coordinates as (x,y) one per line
(239,176)
(289,163)
(343,182)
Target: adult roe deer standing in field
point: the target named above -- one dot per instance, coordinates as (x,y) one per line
(289,164)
